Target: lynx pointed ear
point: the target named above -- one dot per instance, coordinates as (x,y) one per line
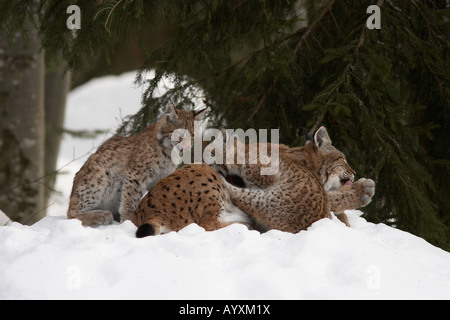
(199,114)
(322,139)
(171,113)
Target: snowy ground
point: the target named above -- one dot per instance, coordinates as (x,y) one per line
(58,258)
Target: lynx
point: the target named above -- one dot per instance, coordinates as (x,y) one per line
(334,173)
(312,181)
(193,194)
(113,180)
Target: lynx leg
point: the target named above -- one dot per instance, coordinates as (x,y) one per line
(92,217)
(89,209)
(343,218)
(231,214)
(94,197)
(132,193)
(210,221)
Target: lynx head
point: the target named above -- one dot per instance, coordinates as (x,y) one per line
(334,171)
(173,119)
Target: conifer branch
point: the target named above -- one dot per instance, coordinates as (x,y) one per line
(262,100)
(110,13)
(313,25)
(333,93)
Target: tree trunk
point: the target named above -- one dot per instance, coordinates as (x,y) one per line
(56,88)
(22,135)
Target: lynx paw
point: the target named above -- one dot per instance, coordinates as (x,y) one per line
(93,217)
(104,217)
(366,190)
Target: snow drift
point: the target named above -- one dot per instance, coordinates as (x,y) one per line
(58,258)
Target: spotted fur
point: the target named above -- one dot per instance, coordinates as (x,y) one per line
(193,194)
(308,185)
(114,179)
(310,181)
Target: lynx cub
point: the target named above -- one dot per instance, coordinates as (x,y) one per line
(114,178)
(307,186)
(192,194)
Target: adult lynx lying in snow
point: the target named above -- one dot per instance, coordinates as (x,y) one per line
(334,173)
(114,179)
(306,188)
(310,181)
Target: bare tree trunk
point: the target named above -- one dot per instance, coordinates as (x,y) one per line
(56,88)
(22,135)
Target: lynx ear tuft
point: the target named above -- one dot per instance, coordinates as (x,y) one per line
(308,139)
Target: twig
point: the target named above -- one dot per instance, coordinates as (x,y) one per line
(110,12)
(4,219)
(50,174)
(37,180)
(262,101)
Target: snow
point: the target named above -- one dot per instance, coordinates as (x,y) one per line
(57,258)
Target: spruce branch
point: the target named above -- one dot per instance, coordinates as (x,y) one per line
(262,101)
(313,24)
(331,95)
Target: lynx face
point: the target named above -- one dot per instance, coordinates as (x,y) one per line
(174,119)
(334,171)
